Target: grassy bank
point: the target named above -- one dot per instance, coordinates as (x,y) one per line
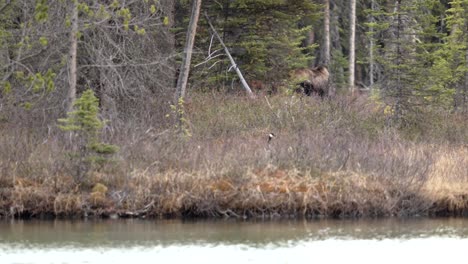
(330,159)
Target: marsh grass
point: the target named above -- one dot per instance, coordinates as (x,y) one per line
(330,158)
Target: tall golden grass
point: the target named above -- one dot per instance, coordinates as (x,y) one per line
(331,158)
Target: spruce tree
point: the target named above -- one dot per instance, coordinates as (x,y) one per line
(406,40)
(449,73)
(86,126)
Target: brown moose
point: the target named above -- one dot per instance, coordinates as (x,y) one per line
(312,81)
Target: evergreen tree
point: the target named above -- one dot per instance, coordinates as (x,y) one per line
(407,38)
(450,70)
(265,37)
(84,122)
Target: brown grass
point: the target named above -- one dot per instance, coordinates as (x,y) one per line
(330,159)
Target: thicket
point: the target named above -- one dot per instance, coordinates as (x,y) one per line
(329,158)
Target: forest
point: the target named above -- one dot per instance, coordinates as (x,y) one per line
(134,108)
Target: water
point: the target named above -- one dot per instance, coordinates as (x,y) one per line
(229,241)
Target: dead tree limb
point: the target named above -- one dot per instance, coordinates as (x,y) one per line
(233,63)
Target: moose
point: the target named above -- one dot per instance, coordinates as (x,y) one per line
(312,81)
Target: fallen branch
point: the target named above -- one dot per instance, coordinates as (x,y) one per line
(233,63)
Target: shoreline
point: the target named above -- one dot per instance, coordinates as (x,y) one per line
(263,194)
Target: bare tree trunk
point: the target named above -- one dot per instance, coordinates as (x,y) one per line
(72,71)
(464,92)
(337,74)
(170,10)
(371,48)
(352,41)
(399,85)
(190,40)
(326,33)
(310,37)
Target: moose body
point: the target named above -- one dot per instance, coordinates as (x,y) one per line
(312,81)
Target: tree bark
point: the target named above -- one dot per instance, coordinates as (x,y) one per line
(464,92)
(398,62)
(326,33)
(72,70)
(352,41)
(186,61)
(371,48)
(169,6)
(337,76)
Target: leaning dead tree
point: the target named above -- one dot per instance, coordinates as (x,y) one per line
(233,63)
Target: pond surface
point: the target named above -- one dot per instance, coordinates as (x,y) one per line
(230,241)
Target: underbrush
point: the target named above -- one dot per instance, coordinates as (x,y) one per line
(330,158)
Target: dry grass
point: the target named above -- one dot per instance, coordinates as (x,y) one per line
(447,182)
(329,159)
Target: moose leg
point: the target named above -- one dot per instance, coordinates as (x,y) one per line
(307,87)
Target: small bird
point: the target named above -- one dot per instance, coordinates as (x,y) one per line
(270,137)
(269,148)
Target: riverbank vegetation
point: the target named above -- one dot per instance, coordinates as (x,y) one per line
(134,109)
(329,158)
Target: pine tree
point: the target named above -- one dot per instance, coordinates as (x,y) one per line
(85,124)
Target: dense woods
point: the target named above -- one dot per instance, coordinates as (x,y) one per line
(413,51)
(135,107)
